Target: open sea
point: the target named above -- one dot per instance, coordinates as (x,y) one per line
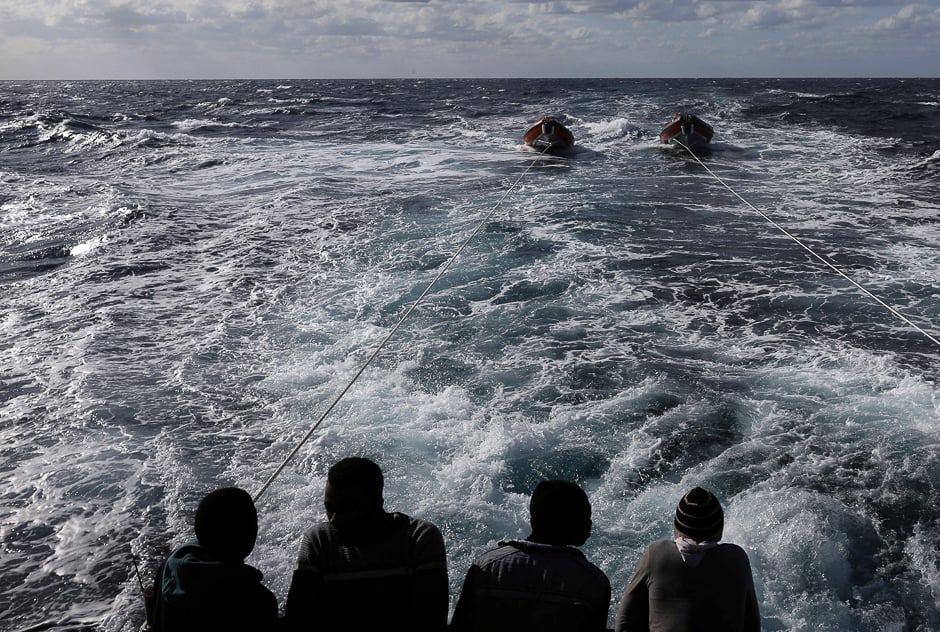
(192,271)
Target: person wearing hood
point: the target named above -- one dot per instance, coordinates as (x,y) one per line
(542,583)
(207,585)
(692,582)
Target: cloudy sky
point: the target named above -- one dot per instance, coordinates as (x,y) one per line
(147,39)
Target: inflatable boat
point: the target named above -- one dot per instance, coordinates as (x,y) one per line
(687,131)
(548,135)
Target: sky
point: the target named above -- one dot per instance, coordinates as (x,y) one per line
(294,39)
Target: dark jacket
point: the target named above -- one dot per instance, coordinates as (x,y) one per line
(394,578)
(194,592)
(529,586)
(669,595)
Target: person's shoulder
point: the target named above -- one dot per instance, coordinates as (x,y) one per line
(254,600)
(417,528)
(189,549)
(660,552)
(185,555)
(730,548)
(535,554)
(425,538)
(320,531)
(247,576)
(317,539)
(495,555)
(587,568)
(661,547)
(600,577)
(412,522)
(733,551)
(266,595)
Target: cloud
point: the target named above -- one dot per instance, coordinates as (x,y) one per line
(734,14)
(124,16)
(911,20)
(782,14)
(361,17)
(451,37)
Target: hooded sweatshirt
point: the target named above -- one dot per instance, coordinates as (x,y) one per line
(682,585)
(195,592)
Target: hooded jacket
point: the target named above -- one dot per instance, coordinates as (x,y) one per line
(195,592)
(707,588)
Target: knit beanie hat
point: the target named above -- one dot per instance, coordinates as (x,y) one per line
(699,515)
(226,524)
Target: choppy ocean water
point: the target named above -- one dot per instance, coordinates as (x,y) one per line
(192,271)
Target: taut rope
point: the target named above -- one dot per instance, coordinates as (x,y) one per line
(812,252)
(397,326)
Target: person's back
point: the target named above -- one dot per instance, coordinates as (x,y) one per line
(692,583)
(199,593)
(367,584)
(207,586)
(366,569)
(543,583)
(710,596)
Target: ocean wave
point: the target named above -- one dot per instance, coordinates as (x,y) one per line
(191,125)
(185,293)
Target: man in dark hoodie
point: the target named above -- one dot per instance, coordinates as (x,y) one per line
(692,582)
(207,586)
(542,583)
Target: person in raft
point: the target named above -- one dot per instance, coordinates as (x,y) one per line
(542,583)
(365,568)
(692,582)
(208,586)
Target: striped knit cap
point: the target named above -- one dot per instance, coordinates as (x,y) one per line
(699,515)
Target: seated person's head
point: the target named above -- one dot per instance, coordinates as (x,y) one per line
(699,516)
(353,494)
(560,514)
(227,524)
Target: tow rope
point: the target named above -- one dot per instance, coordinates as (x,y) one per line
(812,252)
(397,326)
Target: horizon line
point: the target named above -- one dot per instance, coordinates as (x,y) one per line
(471,78)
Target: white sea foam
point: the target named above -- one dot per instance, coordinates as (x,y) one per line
(615,128)
(191,124)
(620,320)
(85,248)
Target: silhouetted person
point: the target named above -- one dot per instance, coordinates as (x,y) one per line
(207,586)
(692,582)
(367,569)
(541,584)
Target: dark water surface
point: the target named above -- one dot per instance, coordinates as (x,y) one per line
(192,271)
